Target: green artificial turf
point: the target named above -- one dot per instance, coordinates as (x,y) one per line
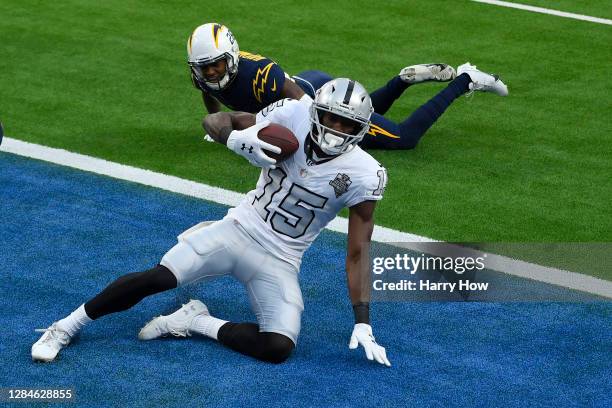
(109,79)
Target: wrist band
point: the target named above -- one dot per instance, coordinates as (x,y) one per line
(362,312)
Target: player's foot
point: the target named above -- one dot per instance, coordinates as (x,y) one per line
(415,74)
(481,81)
(50,344)
(176,324)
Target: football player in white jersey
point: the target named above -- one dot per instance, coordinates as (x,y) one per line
(262,240)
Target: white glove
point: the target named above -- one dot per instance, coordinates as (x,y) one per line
(247,144)
(362,334)
(207,138)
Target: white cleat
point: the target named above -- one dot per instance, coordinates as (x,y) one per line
(415,74)
(481,81)
(176,324)
(50,344)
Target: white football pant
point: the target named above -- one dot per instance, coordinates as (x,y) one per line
(220,248)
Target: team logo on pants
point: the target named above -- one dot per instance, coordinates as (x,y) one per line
(340,184)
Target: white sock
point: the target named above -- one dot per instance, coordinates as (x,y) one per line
(73,323)
(207,325)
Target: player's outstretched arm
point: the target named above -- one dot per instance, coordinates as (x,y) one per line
(238,131)
(361,225)
(291,90)
(211,103)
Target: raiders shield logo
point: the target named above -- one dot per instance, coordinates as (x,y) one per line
(340,184)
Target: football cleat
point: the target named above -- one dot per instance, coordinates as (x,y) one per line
(415,74)
(50,344)
(176,324)
(481,81)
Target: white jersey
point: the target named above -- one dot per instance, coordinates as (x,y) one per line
(294,202)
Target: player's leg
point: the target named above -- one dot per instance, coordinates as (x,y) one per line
(245,338)
(383,97)
(311,80)
(181,265)
(275,298)
(385,134)
(120,295)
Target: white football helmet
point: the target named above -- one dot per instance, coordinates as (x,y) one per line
(348,99)
(207,44)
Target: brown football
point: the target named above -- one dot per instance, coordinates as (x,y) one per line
(280,136)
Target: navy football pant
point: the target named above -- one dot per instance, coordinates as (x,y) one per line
(384,133)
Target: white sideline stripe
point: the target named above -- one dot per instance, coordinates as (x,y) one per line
(546,11)
(170,183)
(174,184)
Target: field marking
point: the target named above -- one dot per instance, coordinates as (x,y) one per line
(546,11)
(174,184)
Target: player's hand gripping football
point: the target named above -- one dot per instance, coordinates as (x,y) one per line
(362,334)
(247,144)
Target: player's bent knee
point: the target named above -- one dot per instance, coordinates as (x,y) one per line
(276,348)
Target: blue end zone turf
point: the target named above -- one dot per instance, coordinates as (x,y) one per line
(66,234)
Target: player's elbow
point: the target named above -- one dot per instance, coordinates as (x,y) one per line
(210,120)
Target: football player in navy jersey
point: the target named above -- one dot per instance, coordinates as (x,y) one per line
(249,82)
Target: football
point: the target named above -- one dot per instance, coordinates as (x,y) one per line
(280,136)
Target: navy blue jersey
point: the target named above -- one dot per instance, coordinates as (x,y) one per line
(258,83)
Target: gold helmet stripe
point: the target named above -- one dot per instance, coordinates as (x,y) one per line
(216,30)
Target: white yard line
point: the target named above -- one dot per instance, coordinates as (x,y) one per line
(174,184)
(546,11)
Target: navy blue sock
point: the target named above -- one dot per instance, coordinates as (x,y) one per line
(383,98)
(385,134)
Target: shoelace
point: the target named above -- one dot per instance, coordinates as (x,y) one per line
(180,333)
(174,332)
(477,86)
(54,333)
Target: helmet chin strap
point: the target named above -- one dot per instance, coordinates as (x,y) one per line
(218,85)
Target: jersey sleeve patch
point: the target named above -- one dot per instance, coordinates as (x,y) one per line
(370,188)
